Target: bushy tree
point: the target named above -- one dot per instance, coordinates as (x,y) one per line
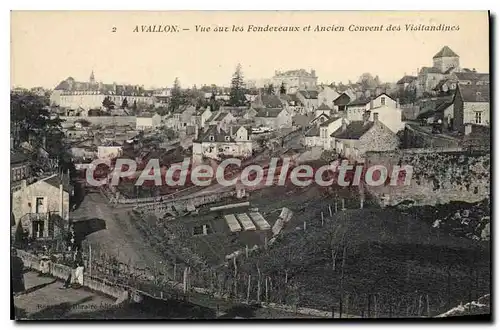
(108,104)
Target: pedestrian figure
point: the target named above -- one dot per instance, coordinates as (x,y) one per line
(17,273)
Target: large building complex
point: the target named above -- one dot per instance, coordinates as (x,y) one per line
(295,80)
(73,94)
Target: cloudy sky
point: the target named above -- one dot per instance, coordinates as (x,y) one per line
(47,47)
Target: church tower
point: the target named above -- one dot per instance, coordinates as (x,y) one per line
(446,59)
(92,78)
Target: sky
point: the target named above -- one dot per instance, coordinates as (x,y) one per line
(49,46)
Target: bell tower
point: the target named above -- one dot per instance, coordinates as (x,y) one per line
(92,78)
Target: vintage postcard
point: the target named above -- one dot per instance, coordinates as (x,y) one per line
(250,165)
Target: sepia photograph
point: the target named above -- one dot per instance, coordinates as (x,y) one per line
(180,165)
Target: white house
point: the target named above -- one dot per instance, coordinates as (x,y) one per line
(34,205)
(221,119)
(388,115)
(200,117)
(322,109)
(109,151)
(148,121)
(275,118)
(320,135)
(216,142)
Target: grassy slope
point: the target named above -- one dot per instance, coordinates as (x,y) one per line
(392,255)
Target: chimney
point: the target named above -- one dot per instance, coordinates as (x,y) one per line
(467,129)
(344,125)
(397,103)
(23,184)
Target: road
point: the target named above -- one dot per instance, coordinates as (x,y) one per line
(121,237)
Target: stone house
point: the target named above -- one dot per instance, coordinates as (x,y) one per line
(200,117)
(320,135)
(353,140)
(148,121)
(109,151)
(20,169)
(182,117)
(37,207)
(471,105)
(309,98)
(215,142)
(221,119)
(275,118)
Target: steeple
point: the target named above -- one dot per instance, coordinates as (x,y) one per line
(92,78)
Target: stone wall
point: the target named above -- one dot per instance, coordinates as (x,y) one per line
(413,138)
(105,120)
(439,176)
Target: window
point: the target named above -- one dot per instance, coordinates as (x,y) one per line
(211,138)
(228,138)
(478,117)
(382,101)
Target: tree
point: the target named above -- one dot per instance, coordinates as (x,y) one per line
(176,96)
(282,88)
(237,93)
(124,104)
(367,81)
(107,103)
(270,89)
(30,117)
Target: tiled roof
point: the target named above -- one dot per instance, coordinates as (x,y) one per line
(269,113)
(360,101)
(343,99)
(323,106)
(472,76)
(313,131)
(354,130)
(309,94)
(474,93)
(406,80)
(445,52)
(329,121)
(71,85)
(301,120)
(56,181)
(426,69)
(219,135)
(17,157)
(299,72)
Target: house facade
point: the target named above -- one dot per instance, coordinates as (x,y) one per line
(471,105)
(275,118)
(215,143)
(353,140)
(35,206)
(148,121)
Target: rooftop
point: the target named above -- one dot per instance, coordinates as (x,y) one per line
(474,93)
(354,130)
(445,52)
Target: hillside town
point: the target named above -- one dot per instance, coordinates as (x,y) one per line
(256,251)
